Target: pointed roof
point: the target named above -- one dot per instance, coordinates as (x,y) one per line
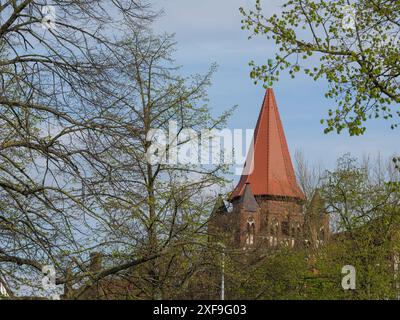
(269,168)
(317,205)
(219,206)
(248,202)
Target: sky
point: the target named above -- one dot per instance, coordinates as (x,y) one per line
(209,31)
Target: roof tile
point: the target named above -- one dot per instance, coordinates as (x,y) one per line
(272,170)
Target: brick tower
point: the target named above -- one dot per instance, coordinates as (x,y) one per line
(267,203)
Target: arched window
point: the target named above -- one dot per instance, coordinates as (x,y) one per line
(298,229)
(250,232)
(285,228)
(273,232)
(274,226)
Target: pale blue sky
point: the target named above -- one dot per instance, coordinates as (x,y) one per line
(209,31)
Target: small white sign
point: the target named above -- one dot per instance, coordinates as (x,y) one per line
(349,280)
(49,17)
(3,291)
(349,18)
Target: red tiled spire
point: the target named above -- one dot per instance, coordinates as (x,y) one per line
(272,172)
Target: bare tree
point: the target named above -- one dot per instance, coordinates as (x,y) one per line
(308,175)
(80,93)
(51,66)
(161,208)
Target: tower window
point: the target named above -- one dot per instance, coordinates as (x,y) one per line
(250,232)
(285,228)
(274,226)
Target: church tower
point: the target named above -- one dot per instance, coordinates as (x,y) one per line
(267,201)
